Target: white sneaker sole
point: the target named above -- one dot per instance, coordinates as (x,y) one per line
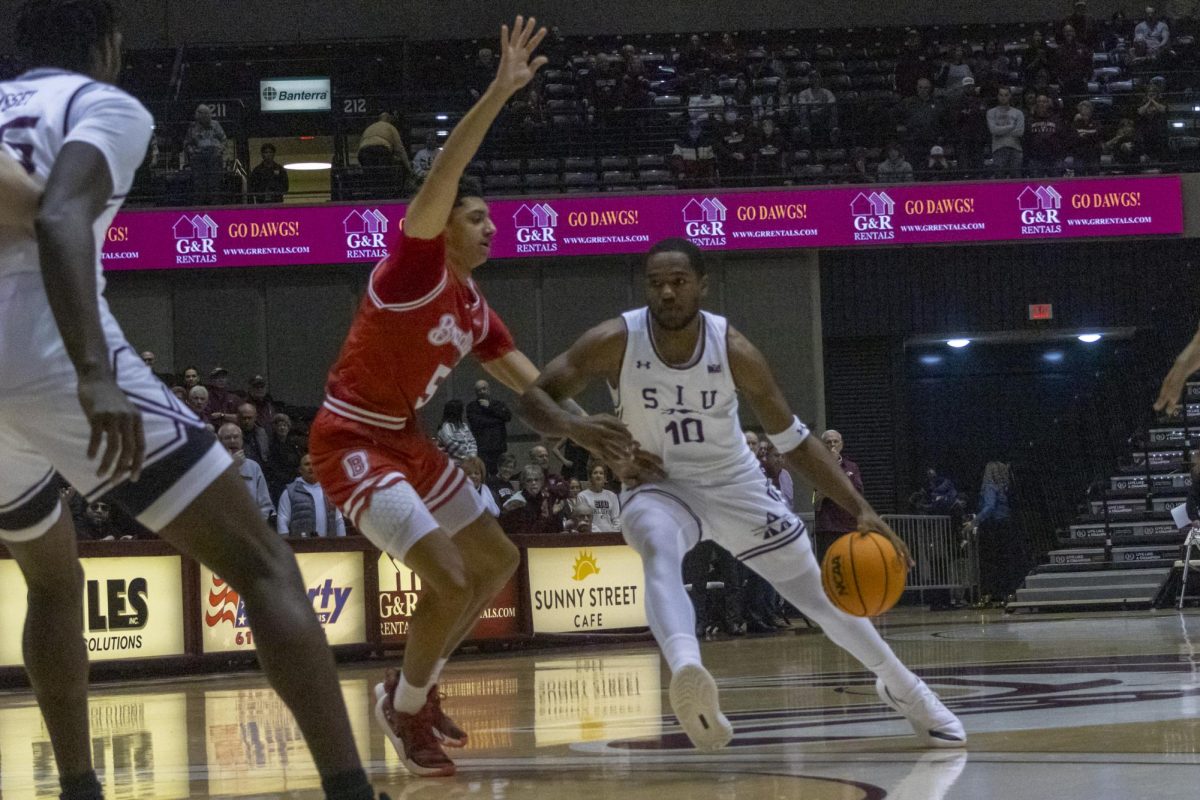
(381,720)
(930,738)
(694,699)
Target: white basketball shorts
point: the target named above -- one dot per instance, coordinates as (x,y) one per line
(44,434)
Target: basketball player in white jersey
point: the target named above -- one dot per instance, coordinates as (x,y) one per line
(675,372)
(77,401)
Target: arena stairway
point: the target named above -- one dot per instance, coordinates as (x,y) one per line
(1119,553)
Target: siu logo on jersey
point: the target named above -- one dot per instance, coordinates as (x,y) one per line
(365,232)
(195,239)
(1039,210)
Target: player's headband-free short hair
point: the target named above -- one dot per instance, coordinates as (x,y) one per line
(63,33)
(695,255)
(468,186)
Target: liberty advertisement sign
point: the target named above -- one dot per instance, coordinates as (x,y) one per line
(613,224)
(334,582)
(133,608)
(400,590)
(578,590)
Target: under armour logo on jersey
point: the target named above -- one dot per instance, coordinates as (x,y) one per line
(356,464)
(643,365)
(448,332)
(715,369)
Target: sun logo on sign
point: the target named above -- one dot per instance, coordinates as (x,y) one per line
(585,565)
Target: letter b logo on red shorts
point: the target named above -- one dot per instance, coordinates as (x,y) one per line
(356,465)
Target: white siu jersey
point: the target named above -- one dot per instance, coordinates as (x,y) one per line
(687,415)
(40,112)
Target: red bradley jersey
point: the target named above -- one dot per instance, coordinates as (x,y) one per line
(416,322)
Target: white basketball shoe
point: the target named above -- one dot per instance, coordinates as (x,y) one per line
(933,723)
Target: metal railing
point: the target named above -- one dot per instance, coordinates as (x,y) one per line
(946,560)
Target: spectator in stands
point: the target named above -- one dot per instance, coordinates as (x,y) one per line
(305,511)
(1001,562)
(694,158)
(734,145)
(1153,31)
(634,95)
(1045,141)
(269,180)
(539,456)
(578,518)
(482,71)
(1073,63)
(205,148)
(780,478)
(423,161)
(937,496)
(474,467)
(574,461)
(534,509)
(770,149)
(706,103)
(894,169)
(503,482)
(913,64)
(283,456)
(148,358)
(831,519)
(1124,146)
(632,62)
(222,403)
(1085,28)
(98,520)
(453,434)
(265,405)
(936,166)
(488,420)
(1087,145)
(860,170)
(742,96)
(969,129)
(694,56)
(920,122)
(382,150)
(181,393)
(1036,58)
(197,401)
(954,71)
(255,439)
(604,502)
(256,483)
(1031,96)
(1152,123)
(191,378)
(1007,126)
(993,70)
(751,441)
(816,113)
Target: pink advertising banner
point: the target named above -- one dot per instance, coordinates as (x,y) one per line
(893,214)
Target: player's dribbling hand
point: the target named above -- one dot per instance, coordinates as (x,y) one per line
(115,423)
(638,468)
(516,48)
(602,435)
(873,523)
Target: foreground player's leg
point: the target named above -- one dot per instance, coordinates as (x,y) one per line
(658,538)
(897,686)
(222,529)
(55,653)
(489,559)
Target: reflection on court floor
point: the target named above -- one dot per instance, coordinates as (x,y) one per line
(1098,708)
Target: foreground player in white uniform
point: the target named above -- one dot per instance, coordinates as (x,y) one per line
(675,372)
(72,389)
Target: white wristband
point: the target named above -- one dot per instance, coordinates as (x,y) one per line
(788,440)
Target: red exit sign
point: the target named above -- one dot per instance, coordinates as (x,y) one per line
(1041,311)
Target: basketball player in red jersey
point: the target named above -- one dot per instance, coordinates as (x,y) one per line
(421,315)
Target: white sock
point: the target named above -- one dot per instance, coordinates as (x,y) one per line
(681,650)
(409,698)
(855,635)
(669,610)
(437,670)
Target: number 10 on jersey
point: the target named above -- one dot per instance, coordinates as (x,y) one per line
(686,431)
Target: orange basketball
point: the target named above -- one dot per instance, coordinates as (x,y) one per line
(863,575)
